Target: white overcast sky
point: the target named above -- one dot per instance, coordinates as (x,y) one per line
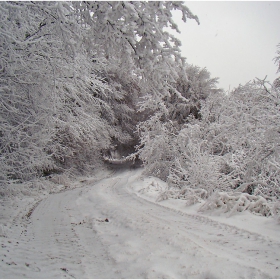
(236,41)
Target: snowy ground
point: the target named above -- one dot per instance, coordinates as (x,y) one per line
(113,228)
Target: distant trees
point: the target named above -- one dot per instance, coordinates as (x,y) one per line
(182,104)
(192,86)
(219,148)
(228,158)
(277,58)
(207,141)
(239,133)
(276,83)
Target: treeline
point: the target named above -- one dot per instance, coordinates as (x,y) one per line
(78,79)
(71,75)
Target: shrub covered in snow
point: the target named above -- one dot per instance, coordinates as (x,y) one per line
(194,166)
(231,202)
(229,157)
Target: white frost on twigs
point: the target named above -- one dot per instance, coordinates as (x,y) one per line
(237,202)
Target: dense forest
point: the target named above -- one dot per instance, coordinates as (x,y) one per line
(80,80)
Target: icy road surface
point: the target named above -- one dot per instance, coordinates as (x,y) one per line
(107,230)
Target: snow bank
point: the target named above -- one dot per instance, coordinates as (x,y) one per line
(244,211)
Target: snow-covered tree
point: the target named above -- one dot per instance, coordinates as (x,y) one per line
(156,148)
(135,33)
(193,86)
(70,73)
(27,82)
(123,102)
(277,58)
(276,82)
(49,113)
(242,128)
(230,157)
(172,113)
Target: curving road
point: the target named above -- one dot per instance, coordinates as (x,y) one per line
(107,231)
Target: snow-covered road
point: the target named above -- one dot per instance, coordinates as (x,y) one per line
(107,230)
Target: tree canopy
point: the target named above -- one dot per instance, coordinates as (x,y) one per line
(71,74)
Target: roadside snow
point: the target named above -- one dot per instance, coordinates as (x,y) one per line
(150,188)
(114,228)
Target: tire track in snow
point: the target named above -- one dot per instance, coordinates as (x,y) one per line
(197,224)
(41,242)
(233,243)
(55,237)
(66,237)
(47,244)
